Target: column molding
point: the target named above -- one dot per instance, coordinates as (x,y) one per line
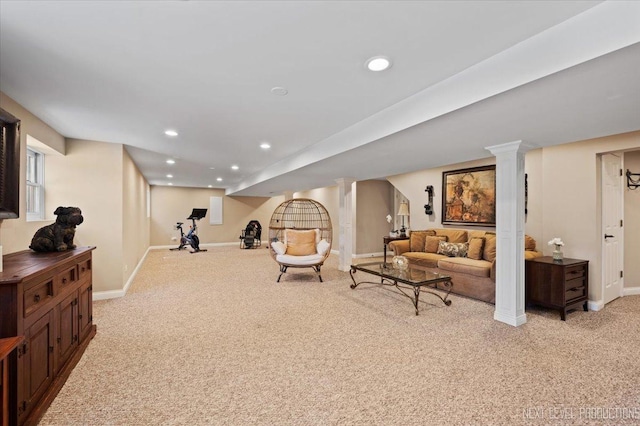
(510,226)
(345,239)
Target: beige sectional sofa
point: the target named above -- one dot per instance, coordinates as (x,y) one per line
(468,256)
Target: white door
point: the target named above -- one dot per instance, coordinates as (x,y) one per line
(612,233)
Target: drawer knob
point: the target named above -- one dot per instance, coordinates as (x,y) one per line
(64,281)
(36,298)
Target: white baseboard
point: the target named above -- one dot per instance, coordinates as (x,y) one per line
(595,305)
(631,291)
(365,255)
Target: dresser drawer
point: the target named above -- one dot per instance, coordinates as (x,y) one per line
(576,282)
(67,277)
(38,296)
(574,293)
(572,272)
(84,268)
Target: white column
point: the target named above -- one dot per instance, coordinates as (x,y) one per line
(510,232)
(345,241)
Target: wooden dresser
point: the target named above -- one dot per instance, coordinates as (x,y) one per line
(47,298)
(561,285)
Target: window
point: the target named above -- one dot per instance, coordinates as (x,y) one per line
(35,185)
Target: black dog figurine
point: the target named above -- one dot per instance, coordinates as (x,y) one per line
(59,235)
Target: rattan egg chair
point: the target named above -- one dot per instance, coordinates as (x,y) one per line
(300,235)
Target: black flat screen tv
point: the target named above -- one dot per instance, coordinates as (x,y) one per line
(9,166)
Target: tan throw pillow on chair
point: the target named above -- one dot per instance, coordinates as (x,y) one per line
(476,246)
(431,243)
(301,243)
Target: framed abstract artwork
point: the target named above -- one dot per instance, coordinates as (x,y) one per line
(469,196)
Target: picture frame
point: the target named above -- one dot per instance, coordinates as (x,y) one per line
(469,196)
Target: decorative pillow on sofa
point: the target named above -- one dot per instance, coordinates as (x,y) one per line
(476,246)
(417,239)
(431,243)
(489,252)
(453,249)
(301,243)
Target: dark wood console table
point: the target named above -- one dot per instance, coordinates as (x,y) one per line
(387,240)
(47,298)
(561,285)
(7,346)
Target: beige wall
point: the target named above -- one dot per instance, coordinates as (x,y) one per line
(632,224)
(329,198)
(98,177)
(15,234)
(571,204)
(136,222)
(412,186)
(174,204)
(374,201)
(89,176)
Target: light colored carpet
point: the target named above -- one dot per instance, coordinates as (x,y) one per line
(212,339)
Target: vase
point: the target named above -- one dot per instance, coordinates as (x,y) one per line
(557,254)
(400,262)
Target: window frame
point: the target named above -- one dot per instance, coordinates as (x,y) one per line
(37,186)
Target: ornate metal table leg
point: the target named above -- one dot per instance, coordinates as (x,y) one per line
(449,285)
(416,293)
(351,272)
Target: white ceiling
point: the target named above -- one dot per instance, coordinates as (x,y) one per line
(465,75)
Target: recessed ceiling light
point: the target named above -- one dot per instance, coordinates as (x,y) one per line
(219,179)
(378,63)
(170,161)
(170,132)
(279,91)
(209,186)
(169,176)
(212,168)
(234,167)
(170,184)
(265,145)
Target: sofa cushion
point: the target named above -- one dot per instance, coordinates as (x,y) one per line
(431,243)
(464,265)
(453,235)
(453,249)
(417,239)
(300,243)
(427,260)
(476,246)
(531,254)
(529,243)
(476,234)
(489,251)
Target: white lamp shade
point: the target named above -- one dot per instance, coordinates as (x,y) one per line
(403,210)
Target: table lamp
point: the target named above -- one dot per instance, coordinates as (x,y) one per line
(402,212)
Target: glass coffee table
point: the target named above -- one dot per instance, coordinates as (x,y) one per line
(404,280)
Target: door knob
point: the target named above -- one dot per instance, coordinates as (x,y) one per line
(607,236)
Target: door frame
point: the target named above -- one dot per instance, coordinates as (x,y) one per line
(601,226)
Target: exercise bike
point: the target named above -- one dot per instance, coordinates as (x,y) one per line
(191,238)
